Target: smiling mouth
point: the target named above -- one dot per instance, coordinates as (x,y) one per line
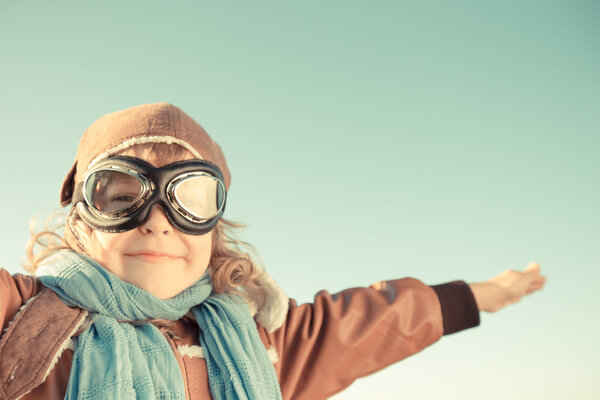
(152,256)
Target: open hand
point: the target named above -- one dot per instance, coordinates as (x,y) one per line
(507,288)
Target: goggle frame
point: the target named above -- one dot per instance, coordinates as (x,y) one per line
(144,172)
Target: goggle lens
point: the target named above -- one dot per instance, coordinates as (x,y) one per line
(200,196)
(112,191)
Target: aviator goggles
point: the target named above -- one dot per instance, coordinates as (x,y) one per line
(118,193)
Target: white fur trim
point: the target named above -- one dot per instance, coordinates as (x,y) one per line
(190,351)
(273,312)
(253,308)
(273,356)
(197,351)
(70,345)
(144,140)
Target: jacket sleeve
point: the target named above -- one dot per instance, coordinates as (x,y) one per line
(324,346)
(15,290)
(459,307)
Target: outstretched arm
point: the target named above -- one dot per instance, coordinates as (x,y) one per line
(507,288)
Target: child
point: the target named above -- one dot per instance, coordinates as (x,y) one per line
(149,296)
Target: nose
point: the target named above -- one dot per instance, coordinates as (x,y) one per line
(157,223)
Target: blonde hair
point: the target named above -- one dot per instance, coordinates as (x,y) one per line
(233,265)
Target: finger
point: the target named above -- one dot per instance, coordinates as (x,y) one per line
(536,285)
(539,282)
(533,289)
(513,300)
(533,267)
(539,285)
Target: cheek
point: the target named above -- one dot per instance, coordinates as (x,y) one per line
(201,249)
(105,245)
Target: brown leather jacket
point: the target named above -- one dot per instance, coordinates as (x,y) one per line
(320,349)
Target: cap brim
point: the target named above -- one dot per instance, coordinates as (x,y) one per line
(66,191)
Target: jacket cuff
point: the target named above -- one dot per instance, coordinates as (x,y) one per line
(459,308)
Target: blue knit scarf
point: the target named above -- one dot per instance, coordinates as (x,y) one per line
(116,359)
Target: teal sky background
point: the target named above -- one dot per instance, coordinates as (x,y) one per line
(367,141)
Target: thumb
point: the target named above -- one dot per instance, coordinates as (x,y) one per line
(536,280)
(533,267)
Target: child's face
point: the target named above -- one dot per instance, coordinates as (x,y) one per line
(154,256)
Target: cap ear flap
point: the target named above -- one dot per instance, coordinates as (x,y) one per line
(66,192)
